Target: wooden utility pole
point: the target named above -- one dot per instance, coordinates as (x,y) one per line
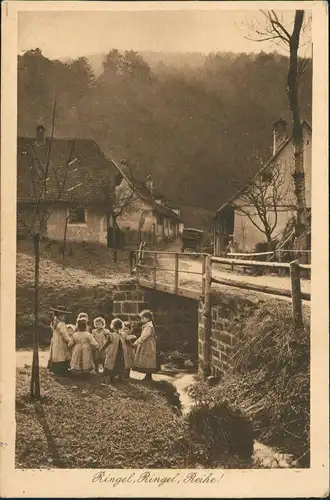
(176,273)
(296,293)
(154,278)
(35,378)
(154,236)
(203,275)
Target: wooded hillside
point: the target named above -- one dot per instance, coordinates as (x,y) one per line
(196,129)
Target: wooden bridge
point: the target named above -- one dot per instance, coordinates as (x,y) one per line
(193,275)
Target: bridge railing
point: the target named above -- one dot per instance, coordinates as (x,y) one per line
(153,261)
(278,255)
(150,264)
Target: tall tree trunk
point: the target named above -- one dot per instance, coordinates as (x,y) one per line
(154,236)
(299,174)
(35,376)
(114,239)
(269,242)
(64,241)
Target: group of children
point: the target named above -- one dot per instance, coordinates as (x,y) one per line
(114,352)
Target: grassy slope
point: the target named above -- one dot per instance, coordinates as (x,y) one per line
(84,285)
(87,424)
(91,424)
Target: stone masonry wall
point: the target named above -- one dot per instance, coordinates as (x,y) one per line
(227,313)
(179,325)
(175,318)
(128,301)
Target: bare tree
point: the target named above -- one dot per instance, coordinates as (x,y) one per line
(115,202)
(42,173)
(275,30)
(263,199)
(73,203)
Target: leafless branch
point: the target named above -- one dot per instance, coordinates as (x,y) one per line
(24,224)
(61,186)
(272,29)
(263,198)
(49,150)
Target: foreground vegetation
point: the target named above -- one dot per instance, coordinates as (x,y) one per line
(269,382)
(90,424)
(265,396)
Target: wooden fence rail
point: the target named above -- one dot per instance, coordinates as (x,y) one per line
(259,254)
(207,278)
(257,263)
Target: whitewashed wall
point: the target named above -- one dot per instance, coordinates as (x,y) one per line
(246,235)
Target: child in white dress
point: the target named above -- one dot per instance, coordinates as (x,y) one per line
(146,355)
(71,329)
(82,354)
(100,334)
(84,317)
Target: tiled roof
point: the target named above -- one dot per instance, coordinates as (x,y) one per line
(143,192)
(86,173)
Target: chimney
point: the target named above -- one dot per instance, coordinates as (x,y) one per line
(40,135)
(279,134)
(150,184)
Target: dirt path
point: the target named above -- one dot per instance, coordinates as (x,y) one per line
(188,265)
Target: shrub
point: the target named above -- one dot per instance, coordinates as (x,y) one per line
(270,380)
(262,246)
(221,428)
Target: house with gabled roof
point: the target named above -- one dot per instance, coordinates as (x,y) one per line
(80,187)
(145,214)
(233,222)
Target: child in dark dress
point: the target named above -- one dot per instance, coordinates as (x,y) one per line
(126,333)
(119,354)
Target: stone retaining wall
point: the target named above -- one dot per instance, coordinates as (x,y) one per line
(179,324)
(229,311)
(175,318)
(128,301)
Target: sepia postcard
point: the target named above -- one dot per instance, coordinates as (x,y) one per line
(164,249)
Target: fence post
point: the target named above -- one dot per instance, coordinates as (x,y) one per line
(176,273)
(207,321)
(296,293)
(203,274)
(154,271)
(131,261)
(154,236)
(137,271)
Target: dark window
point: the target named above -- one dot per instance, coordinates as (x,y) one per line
(160,219)
(77,216)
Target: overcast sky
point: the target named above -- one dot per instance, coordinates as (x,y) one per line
(72,34)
